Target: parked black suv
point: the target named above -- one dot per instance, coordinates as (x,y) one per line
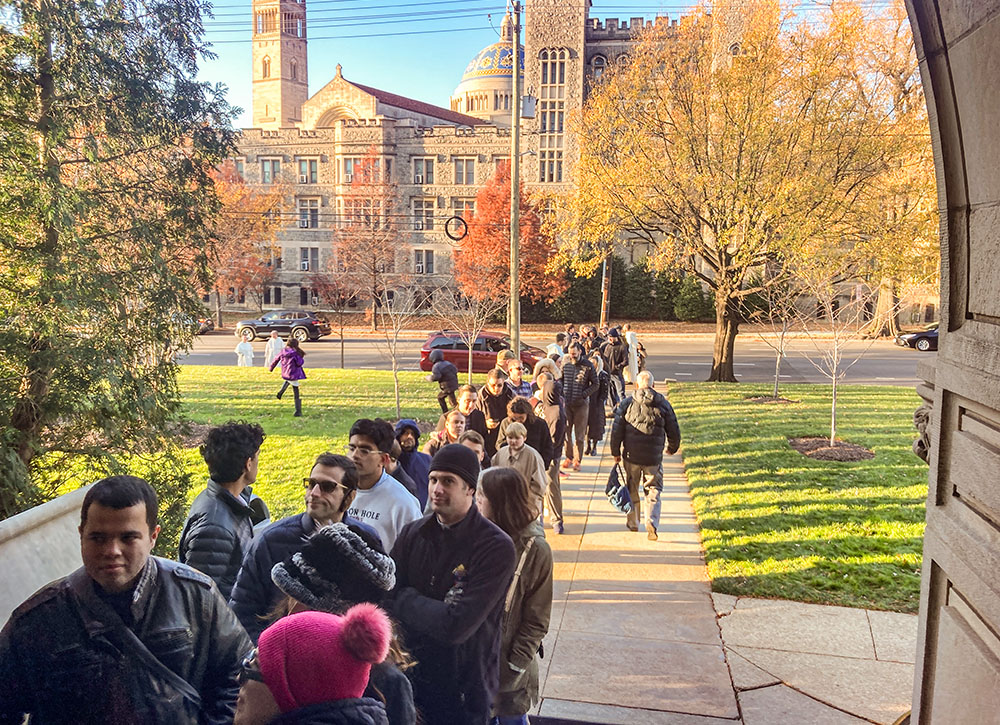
(299,324)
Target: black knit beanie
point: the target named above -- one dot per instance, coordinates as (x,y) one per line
(338,566)
(458,459)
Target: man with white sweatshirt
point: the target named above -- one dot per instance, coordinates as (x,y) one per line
(382,502)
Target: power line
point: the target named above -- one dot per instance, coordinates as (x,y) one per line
(369,35)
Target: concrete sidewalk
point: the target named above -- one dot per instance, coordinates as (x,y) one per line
(637,636)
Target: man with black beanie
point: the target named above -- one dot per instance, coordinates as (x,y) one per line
(453,569)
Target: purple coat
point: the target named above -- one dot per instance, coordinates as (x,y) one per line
(291,364)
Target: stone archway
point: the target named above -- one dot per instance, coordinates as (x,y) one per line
(958,657)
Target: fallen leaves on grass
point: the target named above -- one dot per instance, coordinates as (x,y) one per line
(819,448)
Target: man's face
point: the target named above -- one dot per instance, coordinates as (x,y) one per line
(450,496)
(455,425)
(326,497)
(574,353)
(115,544)
(466,402)
(516,443)
(495,386)
(407,441)
(252,467)
(477,447)
(515,373)
(366,455)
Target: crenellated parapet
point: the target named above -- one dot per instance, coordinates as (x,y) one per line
(622,30)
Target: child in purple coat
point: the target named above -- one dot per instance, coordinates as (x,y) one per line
(291,357)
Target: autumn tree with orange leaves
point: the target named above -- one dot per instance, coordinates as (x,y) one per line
(245,236)
(482,260)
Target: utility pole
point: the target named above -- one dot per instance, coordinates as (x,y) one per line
(514,313)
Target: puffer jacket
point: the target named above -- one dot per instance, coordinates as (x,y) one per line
(579,382)
(443,372)
(643,423)
(291,361)
(216,535)
(360,711)
(62,657)
(525,624)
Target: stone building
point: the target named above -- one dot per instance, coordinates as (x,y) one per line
(438,157)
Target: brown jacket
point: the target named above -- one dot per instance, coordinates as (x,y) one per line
(525,624)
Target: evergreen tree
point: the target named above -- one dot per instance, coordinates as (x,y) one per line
(107,142)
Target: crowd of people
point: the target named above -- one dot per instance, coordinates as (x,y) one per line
(416,585)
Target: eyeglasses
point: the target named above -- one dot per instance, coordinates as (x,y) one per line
(325,486)
(363,450)
(249,669)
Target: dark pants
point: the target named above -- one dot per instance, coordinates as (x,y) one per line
(617,388)
(577,414)
(446,396)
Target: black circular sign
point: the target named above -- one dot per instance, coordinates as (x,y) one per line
(456,228)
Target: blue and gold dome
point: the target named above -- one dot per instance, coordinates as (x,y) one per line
(493,61)
(488,82)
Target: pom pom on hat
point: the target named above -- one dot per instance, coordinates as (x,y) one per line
(313,657)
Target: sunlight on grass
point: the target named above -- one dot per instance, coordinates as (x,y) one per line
(777,524)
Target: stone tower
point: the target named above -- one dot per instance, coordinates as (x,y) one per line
(280,79)
(554,49)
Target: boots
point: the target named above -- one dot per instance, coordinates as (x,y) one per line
(298,403)
(283,389)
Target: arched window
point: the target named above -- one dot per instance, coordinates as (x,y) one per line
(734,49)
(294,68)
(265,67)
(598,64)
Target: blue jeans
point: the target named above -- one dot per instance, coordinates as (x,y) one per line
(510,720)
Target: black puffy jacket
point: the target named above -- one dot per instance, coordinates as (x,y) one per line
(62,656)
(643,423)
(216,535)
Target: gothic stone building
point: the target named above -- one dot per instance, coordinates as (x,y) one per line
(438,158)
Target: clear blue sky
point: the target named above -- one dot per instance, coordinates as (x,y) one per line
(426,66)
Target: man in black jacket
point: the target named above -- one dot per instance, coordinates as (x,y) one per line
(493,399)
(445,374)
(329,492)
(128,637)
(643,423)
(453,569)
(579,382)
(615,354)
(218,530)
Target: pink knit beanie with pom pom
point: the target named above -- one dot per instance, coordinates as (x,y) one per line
(313,657)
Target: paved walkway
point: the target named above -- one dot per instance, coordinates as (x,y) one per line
(637,636)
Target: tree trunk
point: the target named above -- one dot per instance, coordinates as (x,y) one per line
(341,340)
(727,325)
(885,321)
(218,309)
(605,290)
(471,345)
(395,383)
(833,414)
(777,371)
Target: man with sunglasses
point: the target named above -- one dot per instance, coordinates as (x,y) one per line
(329,493)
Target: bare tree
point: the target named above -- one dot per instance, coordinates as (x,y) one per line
(398,307)
(468,314)
(775,306)
(338,295)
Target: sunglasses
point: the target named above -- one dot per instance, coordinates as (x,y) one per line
(249,669)
(324,486)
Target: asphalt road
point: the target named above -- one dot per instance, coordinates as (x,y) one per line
(678,358)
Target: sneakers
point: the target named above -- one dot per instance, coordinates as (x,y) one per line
(557,528)
(576,465)
(651,532)
(567,462)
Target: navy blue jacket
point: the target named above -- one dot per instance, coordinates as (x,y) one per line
(416,464)
(449,594)
(255,595)
(362,711)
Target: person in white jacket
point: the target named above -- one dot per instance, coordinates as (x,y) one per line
(633,352)
(273,348)
(244,353)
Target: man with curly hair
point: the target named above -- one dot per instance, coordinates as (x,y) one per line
(219,529)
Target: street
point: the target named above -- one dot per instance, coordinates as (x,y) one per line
(678,358)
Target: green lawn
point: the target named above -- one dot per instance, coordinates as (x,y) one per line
(778,524)
(331,401)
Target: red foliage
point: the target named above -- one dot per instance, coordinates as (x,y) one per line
(482,260)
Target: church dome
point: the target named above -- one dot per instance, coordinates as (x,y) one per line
(487,84)
(493,61)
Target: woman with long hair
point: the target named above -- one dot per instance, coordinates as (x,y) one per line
(520,410)
(291,358)
(503,497)
(596,416)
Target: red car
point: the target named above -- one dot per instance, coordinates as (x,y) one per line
(484,351)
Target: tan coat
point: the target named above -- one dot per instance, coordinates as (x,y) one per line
(525,624)
(528,462)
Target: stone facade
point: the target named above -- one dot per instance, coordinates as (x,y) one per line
(309,142)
